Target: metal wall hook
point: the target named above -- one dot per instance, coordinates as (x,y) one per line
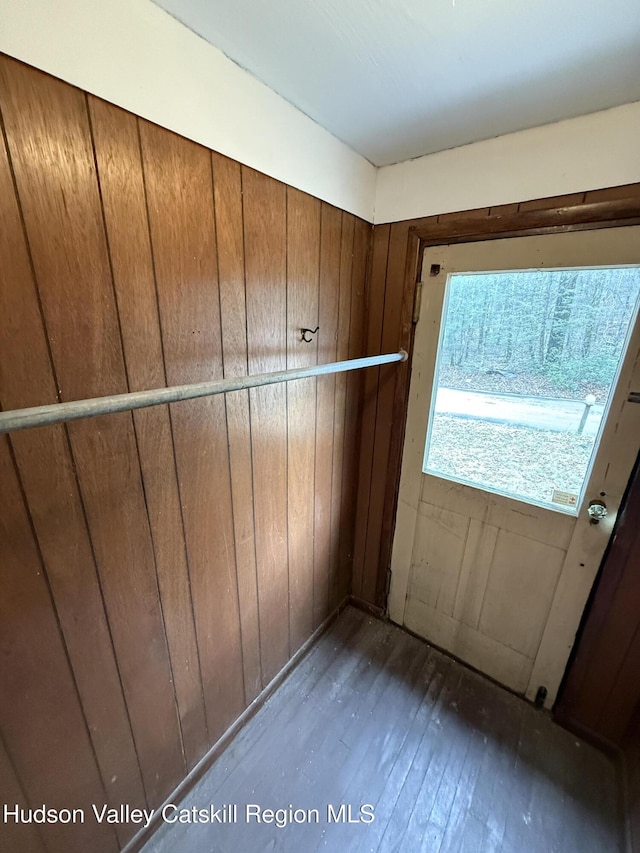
(310,332)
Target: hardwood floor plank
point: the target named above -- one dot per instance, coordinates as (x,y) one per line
(243,764)
(393,784)
(301,684)
(451,762)
(460,773)
(502,771)
(315,778)
(443,737)
(460,814)
(289,724)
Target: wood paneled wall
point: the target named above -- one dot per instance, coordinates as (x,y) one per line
(392,278)
(158,568)
(394,269)
(631,776)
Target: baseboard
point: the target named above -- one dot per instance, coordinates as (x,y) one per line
(465,664)
(197,772)
(371,609)
(608,747)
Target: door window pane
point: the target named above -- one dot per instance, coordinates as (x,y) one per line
(526,364)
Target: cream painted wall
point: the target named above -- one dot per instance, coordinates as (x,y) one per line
(589,152)
(135,55)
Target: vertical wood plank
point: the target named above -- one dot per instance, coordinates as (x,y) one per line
(265,234)
(50,486)
(303,251)
(180,206)
(50,145)
(360,408)
(339,420)
(26,838)
(400,404)
(618,713)
(230,244)
(40,715)
(328,303)
(375,312)
(117,148)
(388,374)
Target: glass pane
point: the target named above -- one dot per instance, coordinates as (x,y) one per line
(526,364)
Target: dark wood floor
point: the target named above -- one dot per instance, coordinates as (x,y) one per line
(450,761)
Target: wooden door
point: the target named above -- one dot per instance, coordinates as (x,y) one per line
(601,691)
(501,580)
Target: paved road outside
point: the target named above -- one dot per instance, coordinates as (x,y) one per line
(537,412)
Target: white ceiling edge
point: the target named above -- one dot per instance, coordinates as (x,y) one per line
(398,79)
(584,153)
(135,55)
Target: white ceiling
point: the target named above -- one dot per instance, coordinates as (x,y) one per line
(396,79)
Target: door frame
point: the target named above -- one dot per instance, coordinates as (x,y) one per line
(470,612)
(589,210)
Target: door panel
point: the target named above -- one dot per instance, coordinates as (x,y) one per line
(498,581)
(519,592)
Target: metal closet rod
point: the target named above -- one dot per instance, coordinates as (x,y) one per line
(58,412)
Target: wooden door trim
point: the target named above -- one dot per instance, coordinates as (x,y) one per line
(611,207)
(604,208)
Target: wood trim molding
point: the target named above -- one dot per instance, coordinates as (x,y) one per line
(593,209)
